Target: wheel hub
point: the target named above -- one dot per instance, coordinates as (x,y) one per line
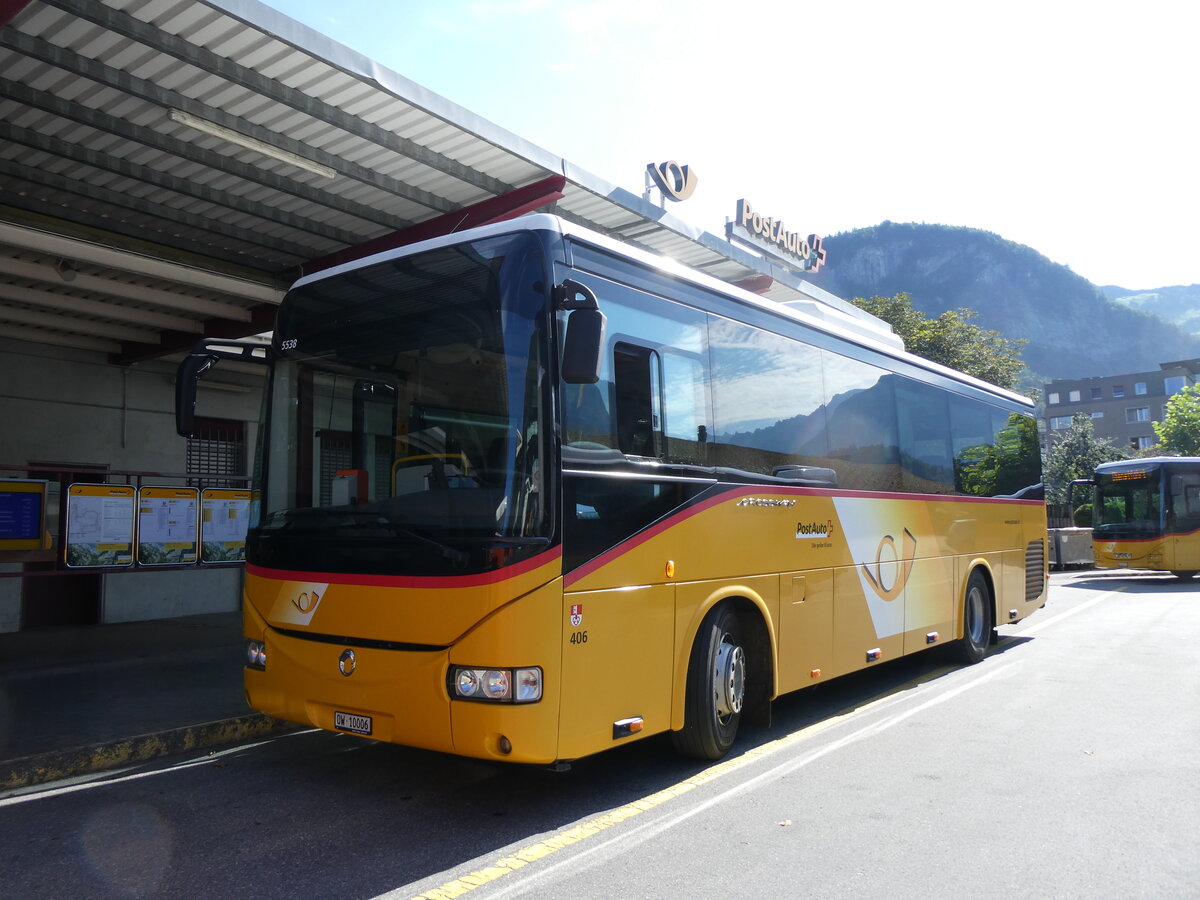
(976,618)
(729,678)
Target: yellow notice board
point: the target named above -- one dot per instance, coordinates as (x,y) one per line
(22,514)
(224,516)
(167,526)
(99,525)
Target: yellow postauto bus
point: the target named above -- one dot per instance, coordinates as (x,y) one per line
(526,493)
(1146,515)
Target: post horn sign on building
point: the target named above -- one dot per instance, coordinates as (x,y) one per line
(769,236)
(676,182)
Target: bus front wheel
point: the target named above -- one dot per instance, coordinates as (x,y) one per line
(977,621)
(716,687)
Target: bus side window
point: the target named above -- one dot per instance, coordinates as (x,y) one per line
(1185,500)
(768,400)
(923,419)
(684,430)
(863,438)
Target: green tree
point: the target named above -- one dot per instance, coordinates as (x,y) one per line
(951,339)
(1179,431)
(1074,453)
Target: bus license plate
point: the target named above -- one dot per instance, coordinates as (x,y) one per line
(343,721)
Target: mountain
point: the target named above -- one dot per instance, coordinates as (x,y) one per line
(1179,304)
(1073,328)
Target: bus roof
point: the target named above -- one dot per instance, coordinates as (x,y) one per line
(1123,464)
(826,312)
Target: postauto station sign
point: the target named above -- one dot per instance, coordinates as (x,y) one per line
(770,236)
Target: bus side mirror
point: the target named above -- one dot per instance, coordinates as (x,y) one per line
(584,337)
(581,346)
(191,370)
(196,364)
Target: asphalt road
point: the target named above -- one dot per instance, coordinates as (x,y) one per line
(1064,765)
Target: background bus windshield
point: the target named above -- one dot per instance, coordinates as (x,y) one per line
(1129,502)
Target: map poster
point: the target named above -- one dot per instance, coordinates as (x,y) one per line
(99,525)
(22,514)
(224,516)
(167,526)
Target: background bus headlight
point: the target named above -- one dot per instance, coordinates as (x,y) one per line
(496,685)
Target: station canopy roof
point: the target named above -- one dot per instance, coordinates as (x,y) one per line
(167,167)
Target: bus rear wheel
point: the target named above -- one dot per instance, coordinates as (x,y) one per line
(716,687)
(977,621)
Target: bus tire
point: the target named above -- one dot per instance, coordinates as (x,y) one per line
(716,687)
(977,621)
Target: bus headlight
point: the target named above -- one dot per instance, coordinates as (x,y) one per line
(466,683)
(496,685)
(256,655)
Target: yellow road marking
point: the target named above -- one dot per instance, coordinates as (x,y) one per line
(534,852)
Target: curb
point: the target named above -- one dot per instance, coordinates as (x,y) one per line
(56,764)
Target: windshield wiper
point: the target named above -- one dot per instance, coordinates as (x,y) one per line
(456,556)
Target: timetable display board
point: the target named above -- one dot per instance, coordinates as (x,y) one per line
(22,514)
(99,530)
(167,526)
(224,517)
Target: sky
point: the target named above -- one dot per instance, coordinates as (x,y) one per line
(1070,127)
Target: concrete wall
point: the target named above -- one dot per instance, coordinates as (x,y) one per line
(73,408)
(60,407)
(165,593)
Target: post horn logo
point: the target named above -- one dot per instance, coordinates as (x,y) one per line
(905,560)
(306,601)
(675,181)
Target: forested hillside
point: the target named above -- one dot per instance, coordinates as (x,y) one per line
(1179,303)
(1073,329)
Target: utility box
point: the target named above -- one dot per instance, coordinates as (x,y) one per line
(1071,547)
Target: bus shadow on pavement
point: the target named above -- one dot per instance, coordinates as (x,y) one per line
(1131,580)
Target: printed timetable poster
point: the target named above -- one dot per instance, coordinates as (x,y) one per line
(224,516)
(167,526)
(100,525)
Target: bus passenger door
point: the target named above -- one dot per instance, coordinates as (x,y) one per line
(1184,522)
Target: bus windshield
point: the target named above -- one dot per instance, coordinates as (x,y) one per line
(404,429)
(1129,503)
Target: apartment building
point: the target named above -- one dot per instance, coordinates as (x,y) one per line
(1123,408)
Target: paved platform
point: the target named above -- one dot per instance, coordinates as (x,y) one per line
(83,699)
